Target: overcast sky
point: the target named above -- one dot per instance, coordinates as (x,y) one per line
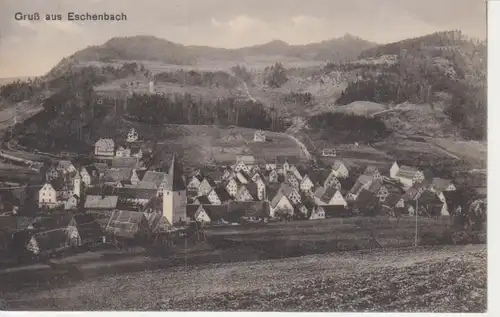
(32,48)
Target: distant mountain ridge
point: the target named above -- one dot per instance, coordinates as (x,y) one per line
(151,48)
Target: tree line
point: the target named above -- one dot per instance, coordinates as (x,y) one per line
(185,109)
(193,78)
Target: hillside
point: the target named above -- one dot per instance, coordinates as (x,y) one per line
(150,48)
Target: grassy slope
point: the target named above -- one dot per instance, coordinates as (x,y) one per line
(444,279)
(203,145)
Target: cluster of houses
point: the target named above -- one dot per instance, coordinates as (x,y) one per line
(282,189)
(120,198)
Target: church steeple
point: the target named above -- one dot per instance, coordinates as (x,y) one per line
(175,181)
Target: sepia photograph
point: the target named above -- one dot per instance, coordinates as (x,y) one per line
(243,155)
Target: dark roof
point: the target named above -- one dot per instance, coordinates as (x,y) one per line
(222,194)
(126,224)
(191,210)
(440,184)
(316,177)
(117,174)
(218,212)
(88,227)
(203,200)
(53,221)
(154,177)
(121,162)
(155,204)
(392,200)
(290,159)
(252,189)
(366,198)
(429,197)
(375,186)
(175,181)
(135,193)
(239,209)
(328,194)
(100,202)
(410,194)
(332,211)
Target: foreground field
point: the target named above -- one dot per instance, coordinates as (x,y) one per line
(430,279)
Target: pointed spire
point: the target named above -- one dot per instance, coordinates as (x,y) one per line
(175,181)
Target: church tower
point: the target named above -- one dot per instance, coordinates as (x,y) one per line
(174,193)
(77,185)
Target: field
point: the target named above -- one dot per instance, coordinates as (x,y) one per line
(201,145)
(425,279)
(472,151)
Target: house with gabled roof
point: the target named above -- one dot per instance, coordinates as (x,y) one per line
(65,167)
(412,194)
(206,186)
(271,176)
(363,182)
(332,181)
(284,163)
(331,196)
(378,189)
(89,175)
(373,172)
(431,205)
(298,173)
(248,211)
(280,204)
(244,194)
(393,170)
(52,233)
(394,204)
(231,187)
(242,177)
(408,176)
(227,173)
(317,213)
(261,189)
(291,193)
(88,229)
(441,185)
(195,181)
(367,202)
(104,147)
(339,170)
(198,213)
(202,200)
(128,225)
(292,180)
(125,162)
(310,181)
(219,196)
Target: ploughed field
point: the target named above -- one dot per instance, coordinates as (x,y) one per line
(426,279)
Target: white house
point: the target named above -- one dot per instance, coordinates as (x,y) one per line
(393,171)
(339,170)
(280,202)
(317,213)
(331,197)
(232,187)
(47,196)
(105,147)
(408,176)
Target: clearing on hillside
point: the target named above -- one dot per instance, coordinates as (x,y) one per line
(202,145)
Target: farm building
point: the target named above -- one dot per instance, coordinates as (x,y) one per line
(105,147)
(317,213)
(331,196)
(279,204)
(408,175)
(219,196)
(329,152)
(52,233)
(128,225)
(441,185)
(333,211)
(88,228)
(248,211)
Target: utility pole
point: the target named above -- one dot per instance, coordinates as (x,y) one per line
(416,223)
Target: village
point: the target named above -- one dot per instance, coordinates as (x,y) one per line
(118,200)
